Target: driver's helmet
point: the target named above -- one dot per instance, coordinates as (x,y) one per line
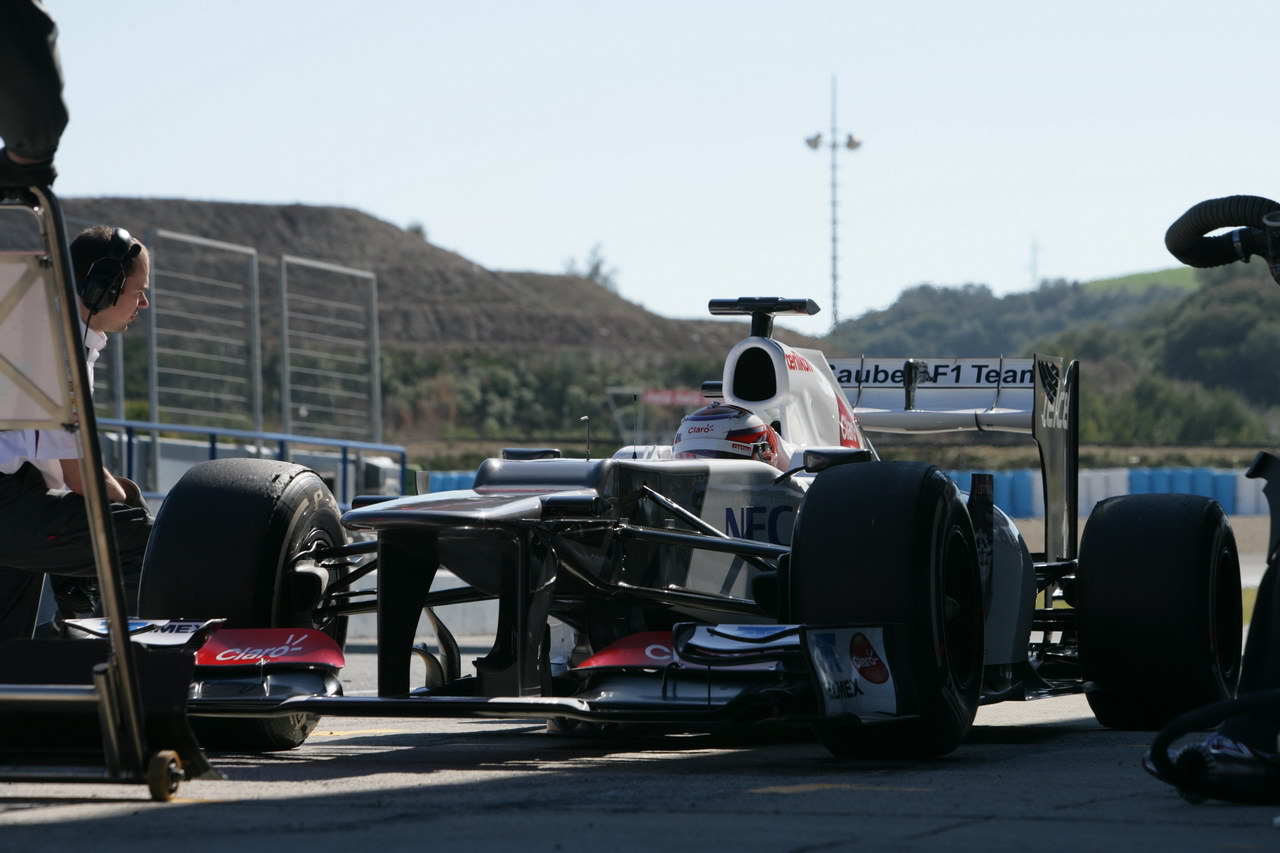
(726,432)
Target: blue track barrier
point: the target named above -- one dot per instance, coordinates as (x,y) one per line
(1022,497)
(1224,490)
(1002,493)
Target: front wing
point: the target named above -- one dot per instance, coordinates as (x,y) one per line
(694,676)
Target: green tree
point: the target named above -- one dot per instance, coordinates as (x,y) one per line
(594,270)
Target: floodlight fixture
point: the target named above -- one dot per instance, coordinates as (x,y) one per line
(851,143)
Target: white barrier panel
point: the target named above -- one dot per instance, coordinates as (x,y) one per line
(1249,497)
(1037,499)
(1099,484)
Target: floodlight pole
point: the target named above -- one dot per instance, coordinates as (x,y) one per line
(835,278)
(852,144)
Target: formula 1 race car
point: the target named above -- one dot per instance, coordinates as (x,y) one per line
(875,602)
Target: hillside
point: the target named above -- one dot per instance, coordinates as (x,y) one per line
(1178,278)
(428,296)
(970,320)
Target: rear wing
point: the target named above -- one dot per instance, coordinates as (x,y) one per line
(939,394)
(1037,395)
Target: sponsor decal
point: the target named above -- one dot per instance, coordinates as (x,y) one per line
(867,690)
(985,374)
(178,628)
(845,688)
(849,436)
(795,361)
(241,647)
(824,644)
(291,646)
(866,660)
(652,650)
(659,653)
(1049,377)
(102,626)
(147,632)
(648,649)
(694,429)
(969,373)
(761,523)
(1057,398)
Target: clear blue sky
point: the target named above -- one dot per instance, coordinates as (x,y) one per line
(672,133)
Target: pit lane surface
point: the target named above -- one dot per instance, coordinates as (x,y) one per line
(1037,775)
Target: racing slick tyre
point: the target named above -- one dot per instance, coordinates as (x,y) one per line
(892,542)
(223,546)
(1158,610)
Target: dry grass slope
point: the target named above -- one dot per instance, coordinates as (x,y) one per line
(428,296)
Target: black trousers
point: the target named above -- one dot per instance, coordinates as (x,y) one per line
(45,532)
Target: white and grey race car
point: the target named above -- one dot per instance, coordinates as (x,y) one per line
(875,602)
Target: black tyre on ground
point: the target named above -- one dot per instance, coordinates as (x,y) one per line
(224,545)
(1158,608)
(892,542)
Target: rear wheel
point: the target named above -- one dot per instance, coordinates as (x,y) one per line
(224,545)
(886,542)
(1158,608)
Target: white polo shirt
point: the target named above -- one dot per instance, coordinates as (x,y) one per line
(44,447)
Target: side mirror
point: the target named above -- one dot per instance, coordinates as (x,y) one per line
(822,458)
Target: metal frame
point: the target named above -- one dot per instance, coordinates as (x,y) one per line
(286,361)
(116,688)
(252,322)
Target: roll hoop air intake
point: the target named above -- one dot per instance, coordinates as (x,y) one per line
(1256,221)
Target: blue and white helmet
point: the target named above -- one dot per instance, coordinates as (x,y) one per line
(726,432)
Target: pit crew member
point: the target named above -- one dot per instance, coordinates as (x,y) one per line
(44,525)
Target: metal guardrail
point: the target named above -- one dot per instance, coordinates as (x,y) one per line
(284,443)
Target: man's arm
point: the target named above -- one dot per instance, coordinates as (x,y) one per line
(71,473)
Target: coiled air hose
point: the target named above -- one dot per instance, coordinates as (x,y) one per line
(1197,775)
(1186,238)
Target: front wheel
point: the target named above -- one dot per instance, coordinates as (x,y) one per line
(891,542)
(224,546)
(1158,607)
